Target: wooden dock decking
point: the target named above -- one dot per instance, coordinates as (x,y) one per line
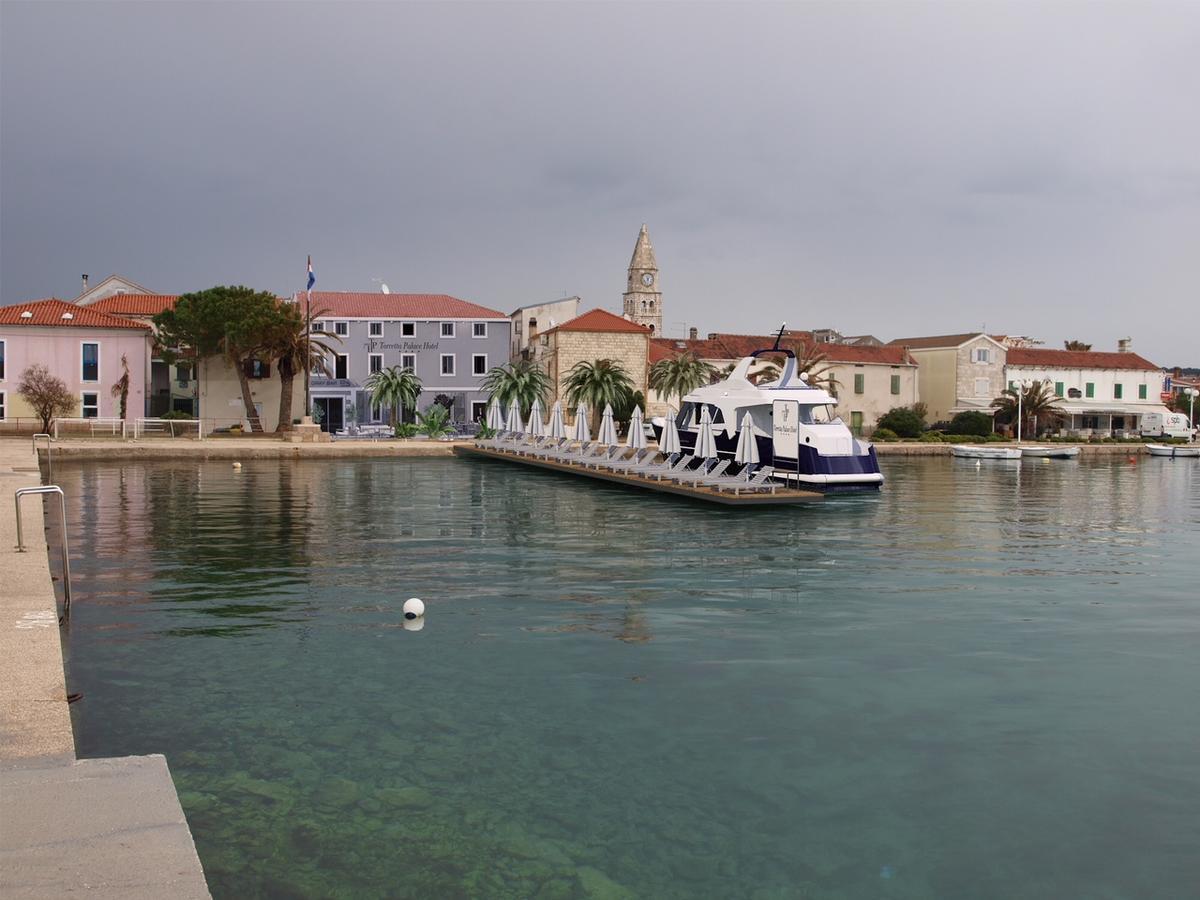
(783,496)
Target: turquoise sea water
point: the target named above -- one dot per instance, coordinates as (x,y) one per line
(980,683)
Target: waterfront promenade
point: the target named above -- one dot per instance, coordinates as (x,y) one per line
(110,828)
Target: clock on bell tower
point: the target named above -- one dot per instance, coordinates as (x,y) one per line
(643,299)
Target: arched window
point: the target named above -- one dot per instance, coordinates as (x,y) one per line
(652,329)
(652,304)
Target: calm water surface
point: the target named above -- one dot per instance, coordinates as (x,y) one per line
(981,683)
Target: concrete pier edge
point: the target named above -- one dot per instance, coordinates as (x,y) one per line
(110,828)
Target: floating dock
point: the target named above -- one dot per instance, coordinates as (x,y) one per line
(783,496)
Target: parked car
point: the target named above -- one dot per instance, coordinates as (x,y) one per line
(1160,425)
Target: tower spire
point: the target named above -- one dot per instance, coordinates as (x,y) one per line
(643,299)
(643,252)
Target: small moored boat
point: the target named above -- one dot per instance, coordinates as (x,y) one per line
(1182,451)
(983,451)
(1050,452)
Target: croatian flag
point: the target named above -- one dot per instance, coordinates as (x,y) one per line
(312,279)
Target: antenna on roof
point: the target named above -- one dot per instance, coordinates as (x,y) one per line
(779,336)
(382,285)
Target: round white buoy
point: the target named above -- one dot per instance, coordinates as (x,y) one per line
(237,465)
(413,608)
(413,624)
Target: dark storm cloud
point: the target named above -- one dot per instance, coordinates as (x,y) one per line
(891,168)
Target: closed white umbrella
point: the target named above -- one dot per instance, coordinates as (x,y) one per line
(706,443)
(495,416)
(536,426)
(514,423)
(668,441)
(583,434)
(747,446)
(558,430)
(608,428)
(636,439)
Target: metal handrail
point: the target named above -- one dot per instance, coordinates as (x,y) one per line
(66,559)
(49,461)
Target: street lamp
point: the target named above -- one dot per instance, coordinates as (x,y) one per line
(1191,393)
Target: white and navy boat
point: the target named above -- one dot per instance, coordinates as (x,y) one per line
(795,428)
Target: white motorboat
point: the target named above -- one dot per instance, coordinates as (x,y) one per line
(1175,451)
(795,428)
(1050,452)
(983,451)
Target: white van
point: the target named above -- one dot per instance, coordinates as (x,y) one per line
(1161,425)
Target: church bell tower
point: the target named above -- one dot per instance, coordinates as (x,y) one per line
(643,299)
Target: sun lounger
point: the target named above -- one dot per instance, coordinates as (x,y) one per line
(641,460)
(713,475)
(680,465)
(611,454)
(551,448)
(758,483)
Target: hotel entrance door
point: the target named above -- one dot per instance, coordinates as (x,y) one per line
(333,417)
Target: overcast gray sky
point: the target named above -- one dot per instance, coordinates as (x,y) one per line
(893,168)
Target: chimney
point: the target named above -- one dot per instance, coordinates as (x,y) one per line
(693,334)
(84,291)
(1124,344)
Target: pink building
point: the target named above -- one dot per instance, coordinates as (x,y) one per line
(81,346)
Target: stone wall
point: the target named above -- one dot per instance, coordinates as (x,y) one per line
(566,348)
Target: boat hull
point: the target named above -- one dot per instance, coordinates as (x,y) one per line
(978,451)
(1177,451)
(812,470)
(1049,452)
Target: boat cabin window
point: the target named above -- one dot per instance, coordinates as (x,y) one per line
(690,414)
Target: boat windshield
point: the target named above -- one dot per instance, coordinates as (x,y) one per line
(817,413)
(689,415)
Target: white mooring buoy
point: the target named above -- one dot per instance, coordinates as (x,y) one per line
(237,465)
(414,608)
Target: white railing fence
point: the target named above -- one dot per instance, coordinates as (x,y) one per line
(93,427)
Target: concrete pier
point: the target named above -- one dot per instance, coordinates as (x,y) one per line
(107,828)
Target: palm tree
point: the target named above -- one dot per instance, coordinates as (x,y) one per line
(1037,402)
(598,383)
(811,358)
(121,388)
(290,344)
(523,381)
(679,375)
(1076,345)
(395,388)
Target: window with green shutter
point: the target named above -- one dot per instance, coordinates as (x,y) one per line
(1089,389)
(1058,389)
(859,382)
(1141,392)
(1118,390)
(895,384)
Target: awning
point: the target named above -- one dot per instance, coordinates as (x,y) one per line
(1076,408)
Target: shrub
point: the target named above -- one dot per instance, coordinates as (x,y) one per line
(930,437)
(901,420)
(994,438)
(434,421)
(884,434)
(405,430)
(972,422)
(177,414)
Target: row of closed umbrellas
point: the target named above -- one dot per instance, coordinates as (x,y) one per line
(706,443)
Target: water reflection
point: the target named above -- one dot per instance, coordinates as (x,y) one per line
(624,692)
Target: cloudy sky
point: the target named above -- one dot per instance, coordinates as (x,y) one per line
(893,168)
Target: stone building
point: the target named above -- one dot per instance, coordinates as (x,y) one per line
(643,299)
(596,334)
(959,372)
(530,320)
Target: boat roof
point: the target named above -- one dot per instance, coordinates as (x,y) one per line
(739,390)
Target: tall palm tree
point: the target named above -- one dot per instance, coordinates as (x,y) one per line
(679,375)
(523,381)
(395,388)
(121,388)
(1038,403)
(1076,345)
(598,383)
(290,344)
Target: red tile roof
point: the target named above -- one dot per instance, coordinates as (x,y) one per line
(50,312)
(135,304)
(600,320)
(362,305)
(659,351)
(935,340)
(735,346)
(1078,359)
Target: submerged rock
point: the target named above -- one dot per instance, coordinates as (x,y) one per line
(598,886)
(406,797)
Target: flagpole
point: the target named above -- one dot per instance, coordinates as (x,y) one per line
(308,346)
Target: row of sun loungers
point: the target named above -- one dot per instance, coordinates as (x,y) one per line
(677,468)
